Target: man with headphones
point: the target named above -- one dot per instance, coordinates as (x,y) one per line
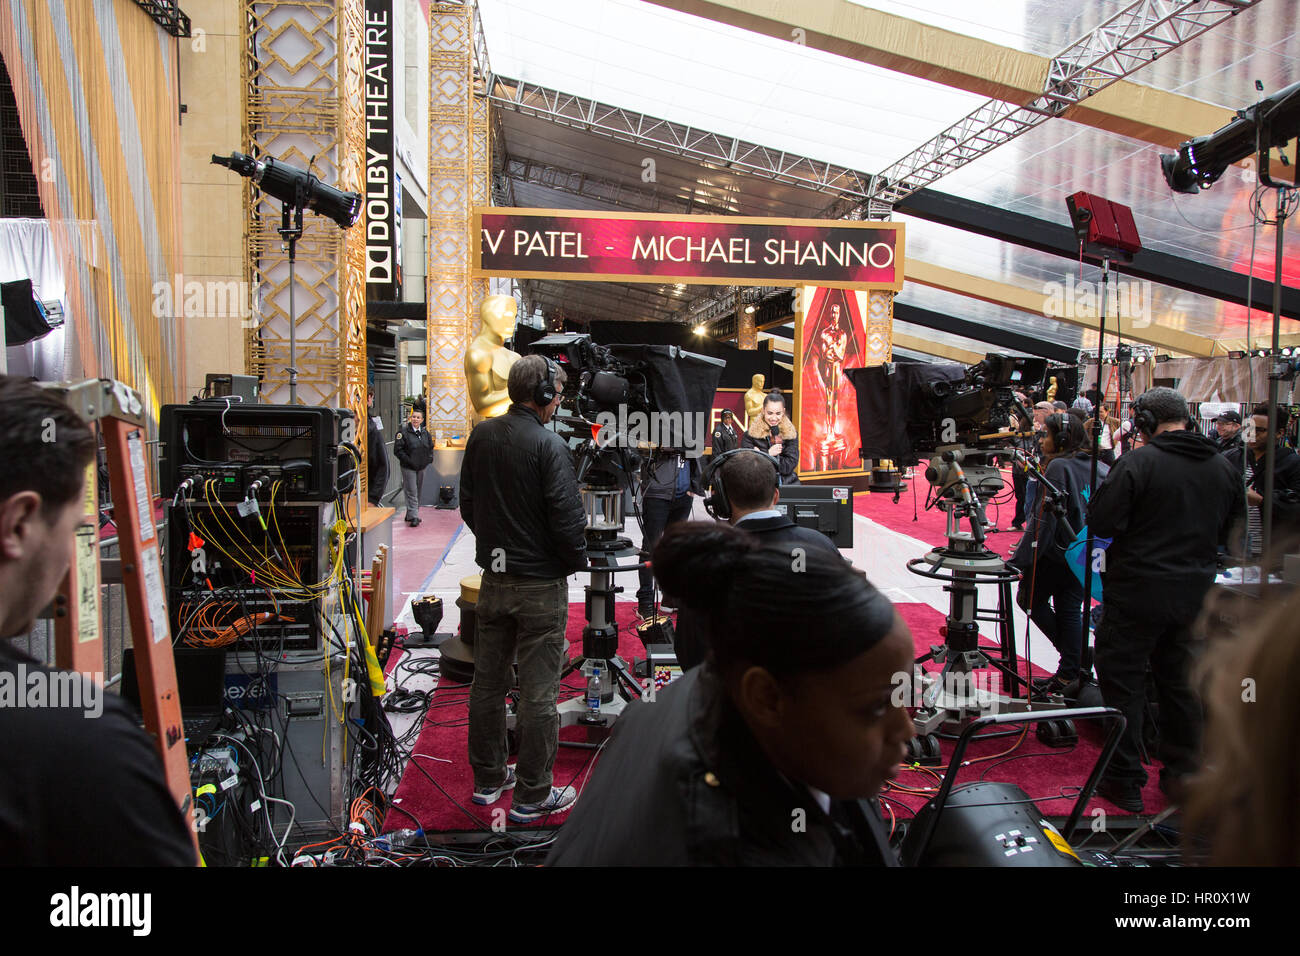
(519,496)
(744,491)
(1168,505)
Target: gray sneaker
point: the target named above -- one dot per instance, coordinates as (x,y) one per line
(560,800)
(485,797)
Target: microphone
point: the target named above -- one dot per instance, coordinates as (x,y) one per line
(776,434)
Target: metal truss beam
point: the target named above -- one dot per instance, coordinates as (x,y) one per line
(1059,240)
(1143,31)
(677,139)
(168,15)
(979,332)
(608,191)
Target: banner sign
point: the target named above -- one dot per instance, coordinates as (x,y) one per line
(383,238)
(633,247)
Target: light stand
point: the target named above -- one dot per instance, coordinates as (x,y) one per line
(1085,660)
(291,232)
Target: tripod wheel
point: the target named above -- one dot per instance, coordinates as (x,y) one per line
(1058,733)
(924,750)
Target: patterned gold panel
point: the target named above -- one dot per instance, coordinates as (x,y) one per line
(880,327)
(459,176)
(303,79)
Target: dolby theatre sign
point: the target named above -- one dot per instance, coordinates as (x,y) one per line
(598,246)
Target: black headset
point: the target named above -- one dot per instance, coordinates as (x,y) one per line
(546,391)
(1144,420)
(716,504)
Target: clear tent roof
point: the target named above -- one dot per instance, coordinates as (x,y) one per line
(643,57)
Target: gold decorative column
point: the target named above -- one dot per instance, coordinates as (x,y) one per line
(746,332)
(459,178)
(303,75)
(880,327)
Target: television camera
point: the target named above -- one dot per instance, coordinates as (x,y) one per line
(965,418)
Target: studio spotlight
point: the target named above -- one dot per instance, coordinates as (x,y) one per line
(295,187)
(1200,162)
(1163,358)
(701,329)
(1236,354)
(749,309)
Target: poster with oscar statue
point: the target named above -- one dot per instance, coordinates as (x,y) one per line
(830,337)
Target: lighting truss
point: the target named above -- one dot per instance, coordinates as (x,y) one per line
(677,139)
(168,15)
(1142,32)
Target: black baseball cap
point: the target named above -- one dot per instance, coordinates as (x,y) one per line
(1232,415)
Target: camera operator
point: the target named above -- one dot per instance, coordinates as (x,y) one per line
(1286,481)
(674,480)
(1167,505)
(519,496)
(792,719)
(1048,587)
(57,756)
(774,434)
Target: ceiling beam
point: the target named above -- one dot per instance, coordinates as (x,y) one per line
(915,343)
(1018,342)
(1036,303)
(976,66)
(1059,240)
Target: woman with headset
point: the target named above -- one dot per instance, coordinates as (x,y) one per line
(1049,589)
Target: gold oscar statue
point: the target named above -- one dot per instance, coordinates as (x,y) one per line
(754,399)
(488,361)
(1051,389)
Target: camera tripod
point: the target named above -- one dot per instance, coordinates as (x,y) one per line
(957,695)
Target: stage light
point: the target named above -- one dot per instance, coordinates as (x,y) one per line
(1286,353)
(701,329)
(1163,358)
(1140,360)
(1201,161)
(295,187)
(1236,355)
(749,310)
(1261,353)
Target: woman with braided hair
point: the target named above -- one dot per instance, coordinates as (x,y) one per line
(773,750)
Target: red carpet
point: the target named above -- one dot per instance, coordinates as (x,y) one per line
(931,525)
(431,796)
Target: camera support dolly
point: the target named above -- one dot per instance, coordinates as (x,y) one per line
(610,682)
(951,699)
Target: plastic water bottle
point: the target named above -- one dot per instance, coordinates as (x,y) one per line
(593,690)
(400,837)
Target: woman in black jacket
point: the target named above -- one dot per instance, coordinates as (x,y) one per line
(774,434)
(413,448)
(771,752)
(1049,589)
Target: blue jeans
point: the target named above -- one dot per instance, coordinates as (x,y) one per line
(1058,613)
(656,515)
(527,616)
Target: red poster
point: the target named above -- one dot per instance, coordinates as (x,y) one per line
(831,337)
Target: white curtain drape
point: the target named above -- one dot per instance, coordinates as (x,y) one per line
(27,252)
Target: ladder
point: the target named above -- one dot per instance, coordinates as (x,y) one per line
(78,643)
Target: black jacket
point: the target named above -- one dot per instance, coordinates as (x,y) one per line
(725,439)
(682,782)
(1072,476)
(55,758)
(1231,446)
(759,436)
(1286,468)
(690,637)
(1168,505)
(661,481)
(377,459)
(519,494)
(414,450)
